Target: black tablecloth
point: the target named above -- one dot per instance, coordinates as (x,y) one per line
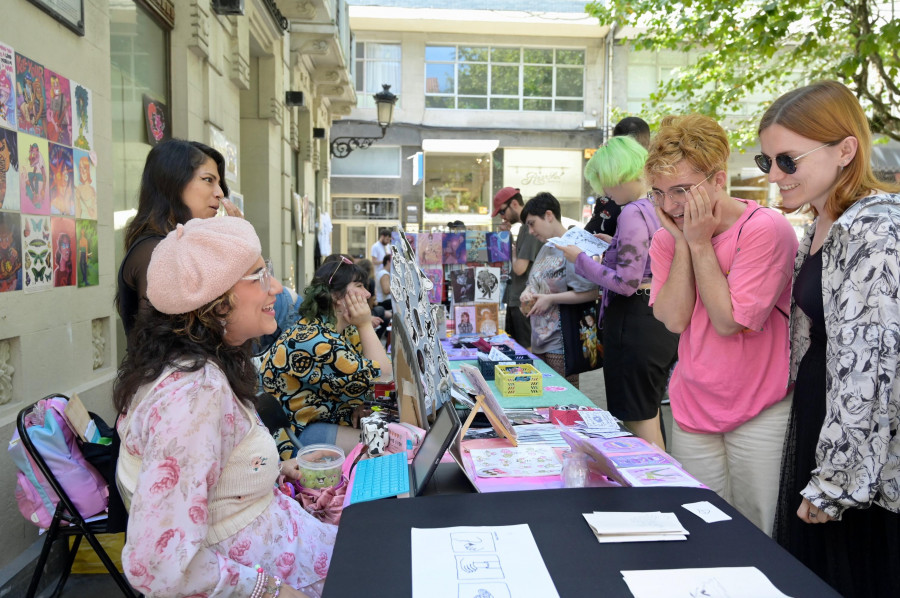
(372,556)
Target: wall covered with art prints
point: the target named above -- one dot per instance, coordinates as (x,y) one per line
(48,173)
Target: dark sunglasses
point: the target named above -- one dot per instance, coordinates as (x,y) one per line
(502,211)
(787,164)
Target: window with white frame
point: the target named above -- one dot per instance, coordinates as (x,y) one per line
(376,64)
(503,78)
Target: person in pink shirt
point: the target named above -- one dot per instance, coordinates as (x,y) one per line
(722,270)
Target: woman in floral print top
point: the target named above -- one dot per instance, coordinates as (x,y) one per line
(841,466)
(322,368)
(197,469)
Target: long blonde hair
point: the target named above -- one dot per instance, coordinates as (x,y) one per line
(828,112)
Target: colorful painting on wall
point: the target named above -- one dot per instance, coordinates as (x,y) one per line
(62,181)
(86,189)
(156,118)
(7,87)
(63,234)
(31,104)
(34,177)
(88,262)
(10,253)
(9,170)
(59,108)
(83,103)
(37,254)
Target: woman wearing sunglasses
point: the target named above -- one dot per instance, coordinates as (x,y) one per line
(322,368)
(197,468)
(638,350)
(842,453)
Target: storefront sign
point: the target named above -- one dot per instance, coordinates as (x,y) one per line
(536,170)
(365,208)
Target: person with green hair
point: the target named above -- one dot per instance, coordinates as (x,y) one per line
(638,350)
(323,367)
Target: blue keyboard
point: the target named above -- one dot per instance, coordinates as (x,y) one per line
(380,477)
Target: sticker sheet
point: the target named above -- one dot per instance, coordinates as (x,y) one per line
(515,462)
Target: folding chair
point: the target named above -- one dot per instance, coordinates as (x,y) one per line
(66,513)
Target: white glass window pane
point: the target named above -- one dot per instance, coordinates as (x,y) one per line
(443,53)
(376,161)
(439,78)
(383,51)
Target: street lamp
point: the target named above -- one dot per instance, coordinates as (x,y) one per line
(384,103)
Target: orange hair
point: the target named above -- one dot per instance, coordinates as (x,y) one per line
(693,137)
(828,112)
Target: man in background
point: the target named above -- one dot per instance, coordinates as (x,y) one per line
(606,211)
(380,249)
(508,204)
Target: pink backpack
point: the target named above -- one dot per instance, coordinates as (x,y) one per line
(49,431)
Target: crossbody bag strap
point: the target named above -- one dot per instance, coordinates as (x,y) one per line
(736,248)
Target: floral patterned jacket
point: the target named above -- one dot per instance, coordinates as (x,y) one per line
(858,453)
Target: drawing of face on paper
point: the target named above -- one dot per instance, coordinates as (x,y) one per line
(34,175)
(487,285)
(464,317)
(9,170)
(486,319)
(59,108)
(31,105)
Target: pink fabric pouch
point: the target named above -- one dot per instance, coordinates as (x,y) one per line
(326,504)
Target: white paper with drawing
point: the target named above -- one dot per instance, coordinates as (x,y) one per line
(716,582)
(473,562)
(581,239)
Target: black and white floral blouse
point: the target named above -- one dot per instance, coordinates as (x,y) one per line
(858,453)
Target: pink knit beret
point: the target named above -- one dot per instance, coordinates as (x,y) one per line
(198,261)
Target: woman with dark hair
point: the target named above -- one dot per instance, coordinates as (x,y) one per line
(63,265)
(181,180)
(198,469)
(322,368)
(839,500)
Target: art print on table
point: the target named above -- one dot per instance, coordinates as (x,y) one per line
(7,87)
(59,108)
(63,234)
(486,319)
(658,475)
(86,189)
(62,181)
(454,247)
(476,246)
(639,460)
(622,445)
(464,318)
(499,246)
(516,462)
(88,256)
(487,285)
(10,253)
(9,170)
(429,248)
(83,104)
(463,284)
(31,104)
(34,175)
(37,253)
(436,276)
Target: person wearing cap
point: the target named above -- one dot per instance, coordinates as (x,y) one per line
(197,469)
(323,368)
(508,204)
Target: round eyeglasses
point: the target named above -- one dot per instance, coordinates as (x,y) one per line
(677,194)
(787,164)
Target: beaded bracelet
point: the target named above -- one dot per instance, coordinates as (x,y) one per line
(262,582)
(276,590)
